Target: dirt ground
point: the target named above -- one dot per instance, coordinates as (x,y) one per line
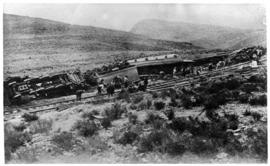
(117,153)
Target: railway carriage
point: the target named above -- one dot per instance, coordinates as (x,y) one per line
(17,90)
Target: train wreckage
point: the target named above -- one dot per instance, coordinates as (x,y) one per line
(18,90)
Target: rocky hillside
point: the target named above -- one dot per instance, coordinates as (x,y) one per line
(27,35)
(207,36)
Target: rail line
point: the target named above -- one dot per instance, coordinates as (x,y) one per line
(220,73)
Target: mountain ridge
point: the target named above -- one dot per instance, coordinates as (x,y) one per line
(203,35)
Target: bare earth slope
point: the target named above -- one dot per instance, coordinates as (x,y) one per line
(207,36)
(35,46)
(26,34)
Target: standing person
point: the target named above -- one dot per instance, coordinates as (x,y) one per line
(145,82)
(141,86)
(126,81)
(174,71)
(79,95)
(100,86)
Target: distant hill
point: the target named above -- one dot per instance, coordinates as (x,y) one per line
(35,35)
(207,36)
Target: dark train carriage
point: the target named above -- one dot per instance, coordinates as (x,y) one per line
(165,63)
(52,85)
(131,72)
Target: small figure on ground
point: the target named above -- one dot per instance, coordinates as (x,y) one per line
(79,95)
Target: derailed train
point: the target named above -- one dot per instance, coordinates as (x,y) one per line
(19,90)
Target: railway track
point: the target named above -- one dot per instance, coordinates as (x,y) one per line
(220,73)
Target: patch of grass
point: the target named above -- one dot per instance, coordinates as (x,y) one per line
(29,117)
(127,137)
(20,127)
(153,141)
(175,148)
(244,98)
(199,145)
(247,113)
(169,113)
(137,99)
(124,95)
(88,115)
(159,105)
(256,116)
(115,112)
(41,126)
(259,100)
(154,95)
(86,128)
(179,124)
(106,123)
(151,117)
(64,140)
(95,144)
(14,140)
(132,118)
(27,154)
(133,106)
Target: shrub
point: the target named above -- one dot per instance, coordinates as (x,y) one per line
(115,112)
(170,114)
(132,118)
(211,103)
(142,105)
(186,101)
(95,144)
(88,115)
(127,137)
(247,113)
(159,105)
(29,117)
(20,127)
(64,140)
(154,94)
(257,79)
(179,124)
(244,98)
(137,99)
(124,95)
(259,145)
(150,117)
(13,140)
(133,107)
(203,146)
(256,116)
(173,103)
(27,154)
(175,148)
(153,141)
(259,100)
(249,87)
(165,93)
(148,103)
(232,84)
(86,127)
(41,126)
(106,122)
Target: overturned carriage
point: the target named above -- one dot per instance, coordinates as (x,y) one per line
(19,90)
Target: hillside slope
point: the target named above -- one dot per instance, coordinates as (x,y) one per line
(30,35)
(208,36)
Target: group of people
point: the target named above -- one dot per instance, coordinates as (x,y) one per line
(122,83)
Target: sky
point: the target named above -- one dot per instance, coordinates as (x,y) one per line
(124,16)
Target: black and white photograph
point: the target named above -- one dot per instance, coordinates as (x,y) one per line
(134,83)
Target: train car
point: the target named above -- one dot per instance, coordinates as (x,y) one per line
(20,90)
(130,71)
(154,65)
